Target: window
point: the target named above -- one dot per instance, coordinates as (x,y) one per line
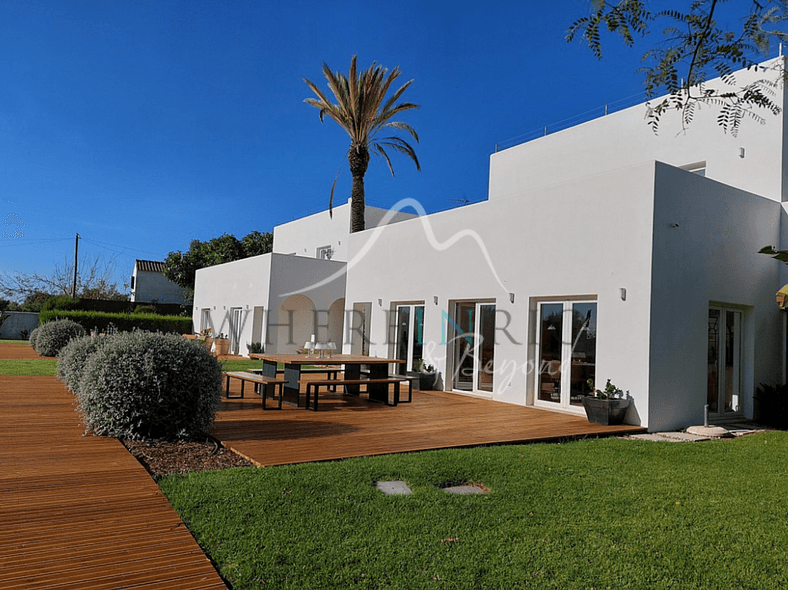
(566,345)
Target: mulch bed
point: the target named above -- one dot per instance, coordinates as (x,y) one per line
(162,458)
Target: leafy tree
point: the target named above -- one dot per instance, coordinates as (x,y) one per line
(181,267)
(363,110)
(94,281)
(694,48)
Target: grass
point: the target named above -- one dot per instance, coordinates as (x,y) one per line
(589,514)
(43,366)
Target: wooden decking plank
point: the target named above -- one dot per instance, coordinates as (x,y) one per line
(80,511)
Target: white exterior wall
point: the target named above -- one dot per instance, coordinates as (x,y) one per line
(304,236)
(622,139)
(241,284)
(559,241)
(711,257)
(265,281)
(152,287)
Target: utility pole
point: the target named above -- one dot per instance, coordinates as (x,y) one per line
(76,251)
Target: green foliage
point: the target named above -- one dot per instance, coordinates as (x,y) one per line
(363,110)
(144,385)
(695,48)
(73,357)
(145,309)
(255,347)
(781,255)
(589,514)
(124,322)
(609,392)
(60,302)
(53,336)
(181,267)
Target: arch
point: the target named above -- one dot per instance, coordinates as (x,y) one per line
(292,331)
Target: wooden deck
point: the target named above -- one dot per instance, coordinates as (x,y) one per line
(352,427)
(80,512)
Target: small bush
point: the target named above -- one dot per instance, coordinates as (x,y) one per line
(144,385)
(73,358)
(61,302)
(32,338)
(53,336)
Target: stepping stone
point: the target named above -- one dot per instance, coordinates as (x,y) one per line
(394,488)
(464,490)
(710,431)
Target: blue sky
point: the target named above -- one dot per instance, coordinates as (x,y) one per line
(142,125)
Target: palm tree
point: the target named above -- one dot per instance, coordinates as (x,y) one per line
(363,111)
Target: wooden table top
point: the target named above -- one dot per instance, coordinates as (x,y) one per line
(336,359)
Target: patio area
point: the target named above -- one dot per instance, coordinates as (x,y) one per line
(353,427)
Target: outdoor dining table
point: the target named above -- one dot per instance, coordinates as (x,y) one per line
(378,369)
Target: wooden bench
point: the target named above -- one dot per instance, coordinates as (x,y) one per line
(317,384)
(409,378)
(329,372)
(244,376)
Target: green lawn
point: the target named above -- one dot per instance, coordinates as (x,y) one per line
(28,367)
(590,514)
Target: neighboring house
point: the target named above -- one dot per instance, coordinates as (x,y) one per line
(603,252)
(149,285)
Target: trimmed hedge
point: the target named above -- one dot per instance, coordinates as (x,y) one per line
(123,322)
(53,336)
(143,385)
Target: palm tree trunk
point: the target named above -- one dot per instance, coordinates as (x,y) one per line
(358,158)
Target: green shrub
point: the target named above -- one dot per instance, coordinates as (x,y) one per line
(144,385)
(123,322)
(149,309)
(61,302)
(32,338)
(54,335)
(73,358)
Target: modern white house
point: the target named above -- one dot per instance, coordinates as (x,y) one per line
(271,299)
(604,251)
(149,285)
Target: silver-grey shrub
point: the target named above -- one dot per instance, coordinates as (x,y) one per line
(145,385)
(32,338)
(73,358)
(53,336)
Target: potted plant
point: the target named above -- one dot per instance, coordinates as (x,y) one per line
(222,344)
(254,347)
(605,406)
(427,375)
(206,338)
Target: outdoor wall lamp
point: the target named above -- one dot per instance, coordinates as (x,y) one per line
(623,292)
(380,302)
(435,299)
(741,152)
(511,297)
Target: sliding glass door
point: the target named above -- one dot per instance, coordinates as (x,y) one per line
(566,344)
(473,344)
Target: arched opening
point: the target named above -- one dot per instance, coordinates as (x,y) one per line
(295,325)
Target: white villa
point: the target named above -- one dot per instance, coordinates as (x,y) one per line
(603,251)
